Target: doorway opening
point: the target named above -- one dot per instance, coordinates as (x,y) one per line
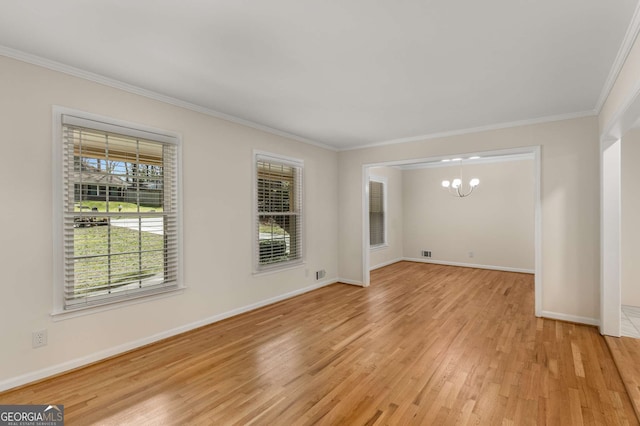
(470,160)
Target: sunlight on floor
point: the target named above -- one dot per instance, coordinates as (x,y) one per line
(157,409)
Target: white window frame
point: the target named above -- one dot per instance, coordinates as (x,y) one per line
(288,264)
(382,180)
(99,122)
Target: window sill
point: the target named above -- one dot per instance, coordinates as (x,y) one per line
(61,315)
(378,247)
(275,269)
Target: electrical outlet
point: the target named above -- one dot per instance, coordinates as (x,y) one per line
(39,338)
(320,274)
(471,254)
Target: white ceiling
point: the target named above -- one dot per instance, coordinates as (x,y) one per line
(344,73)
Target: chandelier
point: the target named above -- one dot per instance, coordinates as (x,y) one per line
(456,186)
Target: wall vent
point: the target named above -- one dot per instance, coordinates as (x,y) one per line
(426,253)
(320,274)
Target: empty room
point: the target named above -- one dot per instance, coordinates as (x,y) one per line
(418,212)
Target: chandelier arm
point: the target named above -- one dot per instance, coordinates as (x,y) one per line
(462,195)
(472,188)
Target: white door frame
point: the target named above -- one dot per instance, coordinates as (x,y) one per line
(610,234)
(626,118)
(535,150)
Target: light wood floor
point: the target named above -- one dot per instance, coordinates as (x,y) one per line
(425,344)
(626,355)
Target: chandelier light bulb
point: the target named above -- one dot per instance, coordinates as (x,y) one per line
(456,183)
(445,183)
(474,182)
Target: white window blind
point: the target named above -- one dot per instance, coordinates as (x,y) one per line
(120,212)
(278,209)
(376,213)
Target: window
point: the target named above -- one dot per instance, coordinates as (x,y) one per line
(278,211)
(118,210)
(377,212)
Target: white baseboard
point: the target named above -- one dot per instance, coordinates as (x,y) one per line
(351,282)
(382,265)
(571,318)
(470,265)
(107,353)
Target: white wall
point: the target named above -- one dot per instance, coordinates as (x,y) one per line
(392,252)
(570,204)
(495,223)
(218,229)
(630,226)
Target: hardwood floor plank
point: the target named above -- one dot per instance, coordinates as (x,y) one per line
(424,344)
(626,354)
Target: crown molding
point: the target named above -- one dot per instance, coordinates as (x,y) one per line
(100,79)
(539,120)
(623,52)
(624,118)
(116,84)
